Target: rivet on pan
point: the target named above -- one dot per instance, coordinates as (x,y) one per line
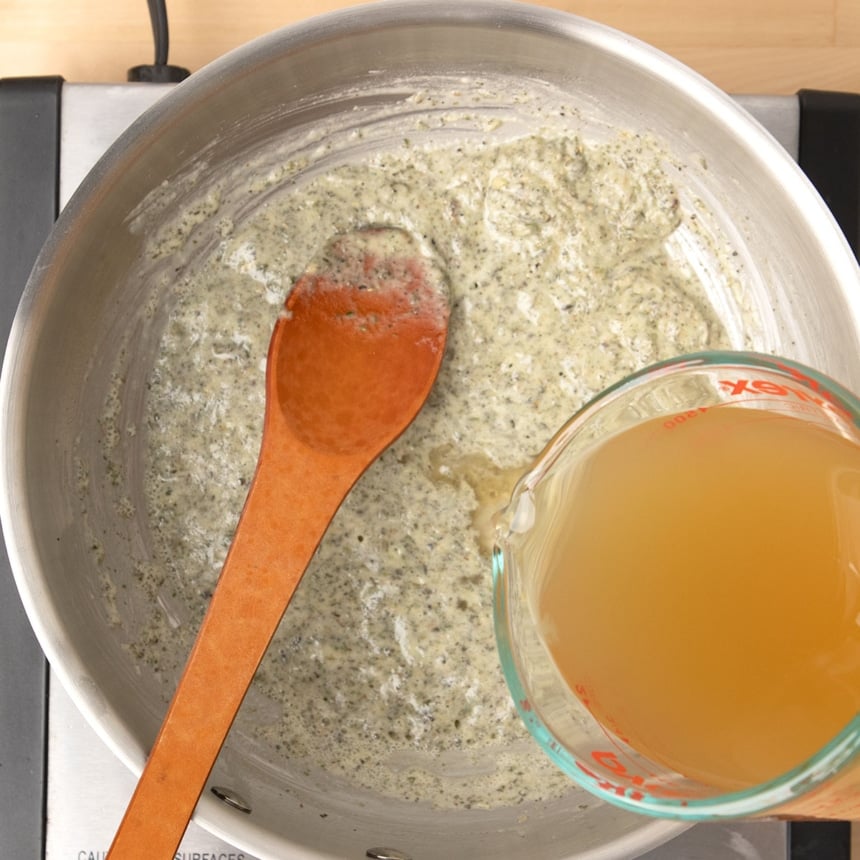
(387,854)
(228,796)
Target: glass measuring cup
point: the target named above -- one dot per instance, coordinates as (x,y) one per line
(599,745)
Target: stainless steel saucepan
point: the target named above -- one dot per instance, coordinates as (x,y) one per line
(83,306)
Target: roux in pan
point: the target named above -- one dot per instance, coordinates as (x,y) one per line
(567,272)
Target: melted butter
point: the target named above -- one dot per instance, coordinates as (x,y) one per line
(491,484)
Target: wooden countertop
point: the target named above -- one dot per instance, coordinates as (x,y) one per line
(744,46)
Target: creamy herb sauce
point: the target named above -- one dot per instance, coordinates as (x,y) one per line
(563,280)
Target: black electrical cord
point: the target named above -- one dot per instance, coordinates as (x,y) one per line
(160,35)
(160,72)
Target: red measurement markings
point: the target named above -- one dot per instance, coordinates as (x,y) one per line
(684,417)
(815,385)
(814,395)
(609,761)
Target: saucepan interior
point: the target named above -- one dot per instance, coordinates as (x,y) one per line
(86,338)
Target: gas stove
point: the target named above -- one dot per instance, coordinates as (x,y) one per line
(62,791)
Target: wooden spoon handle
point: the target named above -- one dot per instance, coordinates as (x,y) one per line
(289,506)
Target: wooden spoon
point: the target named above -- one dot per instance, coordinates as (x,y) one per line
(352,359)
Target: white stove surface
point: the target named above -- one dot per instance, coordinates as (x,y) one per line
(87,786)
